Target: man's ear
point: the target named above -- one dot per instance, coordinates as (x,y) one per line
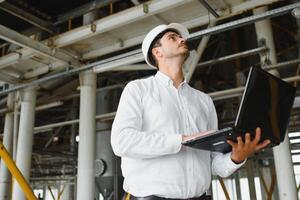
(156,52)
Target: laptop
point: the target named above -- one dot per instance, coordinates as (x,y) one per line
(266,103)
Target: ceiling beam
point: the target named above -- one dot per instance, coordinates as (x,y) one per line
(117,20)
(5,77)
(84,31)
(23,41)
(198,21)
(28,17)
(79,11)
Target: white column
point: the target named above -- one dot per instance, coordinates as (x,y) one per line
(5,176)
(282,154)
(86,150)
(25,139)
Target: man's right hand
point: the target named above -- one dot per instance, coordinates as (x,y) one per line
(196,135)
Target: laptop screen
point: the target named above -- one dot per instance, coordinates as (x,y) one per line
(267,103)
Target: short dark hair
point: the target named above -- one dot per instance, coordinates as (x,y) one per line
(156,43)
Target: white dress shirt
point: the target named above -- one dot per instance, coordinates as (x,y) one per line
(147,133)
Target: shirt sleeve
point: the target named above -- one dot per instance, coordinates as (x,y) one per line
(128,140)
(222,165)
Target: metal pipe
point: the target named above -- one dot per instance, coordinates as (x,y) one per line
(56,66)
(282,64)
(245,21)
(72,71)
(49,105)
(59,101)
(219,95)
(229,93)
(102,117)
(65,178)
(209,8)
(102,66)
(233,56)
(224,94)
(38,108)
(190,67)
(25,140)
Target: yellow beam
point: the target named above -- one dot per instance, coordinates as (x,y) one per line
(61,192)
(10,164)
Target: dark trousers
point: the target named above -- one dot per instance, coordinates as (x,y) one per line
(203,197)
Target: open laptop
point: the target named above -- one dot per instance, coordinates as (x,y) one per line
(266,103)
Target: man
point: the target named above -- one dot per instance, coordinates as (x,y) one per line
(156,114)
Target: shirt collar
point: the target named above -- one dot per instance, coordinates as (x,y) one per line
(166,79)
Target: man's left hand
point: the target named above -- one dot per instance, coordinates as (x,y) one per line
(241,150)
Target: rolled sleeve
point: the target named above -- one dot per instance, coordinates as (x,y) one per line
(222,164)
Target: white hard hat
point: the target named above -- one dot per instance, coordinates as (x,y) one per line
(155,32)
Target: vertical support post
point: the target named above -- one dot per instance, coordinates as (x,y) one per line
(87,129)
(5,176)
(87,132)
(25,139)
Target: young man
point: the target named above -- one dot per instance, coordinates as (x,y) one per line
(156,114)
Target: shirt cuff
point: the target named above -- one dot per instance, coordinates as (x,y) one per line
(175,141)
(232,164)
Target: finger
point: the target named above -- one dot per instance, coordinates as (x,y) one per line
(247,138)
(231,143)
(240,141)
(262,145)
(257,135)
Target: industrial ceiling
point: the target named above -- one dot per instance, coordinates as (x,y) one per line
(47,43)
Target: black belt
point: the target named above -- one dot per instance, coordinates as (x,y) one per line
(202,197)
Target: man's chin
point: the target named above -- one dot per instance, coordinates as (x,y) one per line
(186,54)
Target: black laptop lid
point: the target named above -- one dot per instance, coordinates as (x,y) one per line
(267,103)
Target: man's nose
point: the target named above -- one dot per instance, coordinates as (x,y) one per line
(182,40)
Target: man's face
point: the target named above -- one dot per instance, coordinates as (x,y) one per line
(173,45)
